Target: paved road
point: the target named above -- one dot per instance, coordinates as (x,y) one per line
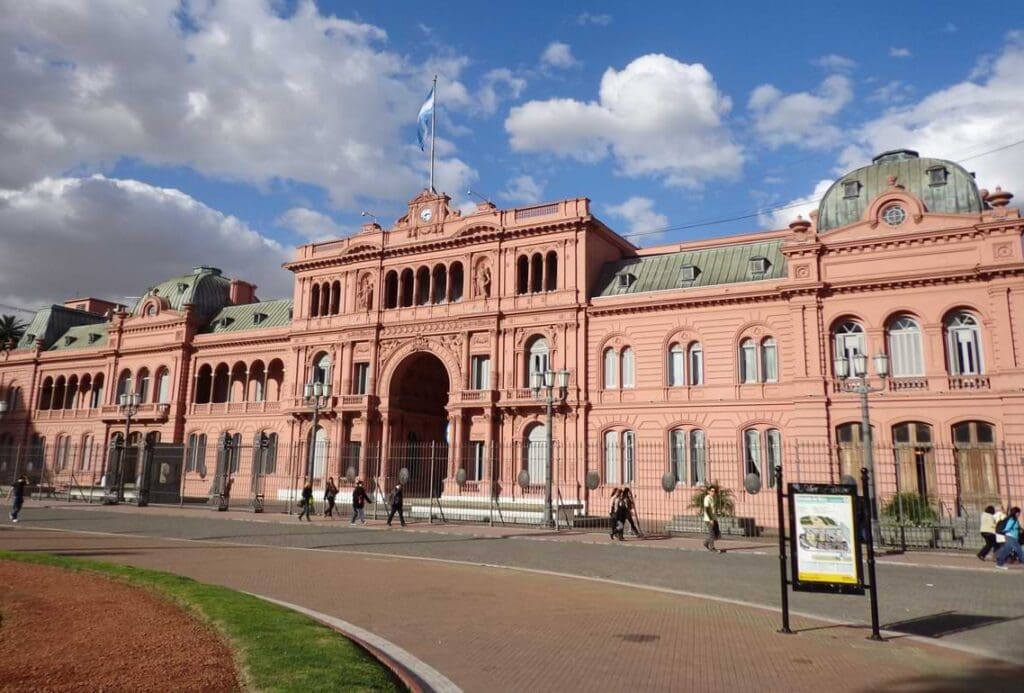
(977,608)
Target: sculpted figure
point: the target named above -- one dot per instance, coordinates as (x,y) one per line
(483,281)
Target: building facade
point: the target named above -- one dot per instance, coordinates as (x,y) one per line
(429,331)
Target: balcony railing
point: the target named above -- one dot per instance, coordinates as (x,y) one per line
(517,394)
(234,407)
(908,384)
(155,412)
(63,414)
(969,382)
(357,401)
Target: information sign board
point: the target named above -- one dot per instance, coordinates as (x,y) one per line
(825,538)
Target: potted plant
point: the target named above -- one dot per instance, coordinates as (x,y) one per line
(915,516)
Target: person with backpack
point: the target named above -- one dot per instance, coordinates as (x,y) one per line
(330,493)
(1009,527)
(396,499)
(359,500)
(18,493)
(987,528)
(307,502)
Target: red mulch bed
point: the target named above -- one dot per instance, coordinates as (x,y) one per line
(68,631)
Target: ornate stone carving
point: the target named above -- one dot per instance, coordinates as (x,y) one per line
(802,272)
(364,293)
(482,279)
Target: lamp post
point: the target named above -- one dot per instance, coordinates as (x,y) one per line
(543,387)
(857,382)
(316,395)
(128,403)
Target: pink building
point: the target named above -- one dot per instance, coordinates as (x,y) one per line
(706,360)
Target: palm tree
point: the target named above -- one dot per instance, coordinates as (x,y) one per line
(11,330)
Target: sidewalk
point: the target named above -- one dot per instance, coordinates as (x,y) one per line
(491,629)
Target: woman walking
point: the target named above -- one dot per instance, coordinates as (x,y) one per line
(307,502)
(988,531)
(619,515)
(627,497)
(1010,530)
(330,493)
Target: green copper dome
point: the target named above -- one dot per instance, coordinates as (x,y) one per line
(205,288)
(944,186)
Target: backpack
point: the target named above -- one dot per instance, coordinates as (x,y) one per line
(1001,525)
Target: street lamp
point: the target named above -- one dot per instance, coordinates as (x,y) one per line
(542,385)
(316,395)
(128,403)
(857,382)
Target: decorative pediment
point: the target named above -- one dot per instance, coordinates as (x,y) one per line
(362,248)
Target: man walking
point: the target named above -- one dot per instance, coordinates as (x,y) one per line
(359,500)
(711,519)
(18,493)
(396,505)
(306,503)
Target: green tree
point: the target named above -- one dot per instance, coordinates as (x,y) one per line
(11,329)
(725,505)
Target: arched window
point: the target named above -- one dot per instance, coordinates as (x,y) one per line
(677,454)
(769,360)
(325,298)
(71,397)
(85,391)
(63,452)
(439,277)
(748,361)
(628,368)
(628,457)
(915,459)
(536,273)
(59,390)
(849,341)
(322,368)
(236,386)
(266,453)
(232,450)
(257,382)
(204,384)
(195,454)
(406,286)
(221,377)
(86,457)
(97,391)
(752,451)
(676,359)
(320,452)
(45,394)
(12,398)
(314,301)
(422,286)
(963,344)
(975,445)
(696,364)
(905,353)
(335,297)
(163,386)
(275,377)
(611,457)
(456,277)
(522,275)
(611,369)
(537,359)
(850,442)
(391,289)
(551,271)
(773,444)
(535,454)
(124,384)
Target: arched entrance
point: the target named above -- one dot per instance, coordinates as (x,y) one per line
(418,406)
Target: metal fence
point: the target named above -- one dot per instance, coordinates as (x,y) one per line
(926,495)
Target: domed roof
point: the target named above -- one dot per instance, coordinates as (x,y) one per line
(206,288)
(942,185)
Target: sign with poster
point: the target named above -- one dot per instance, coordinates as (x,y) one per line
(825,538)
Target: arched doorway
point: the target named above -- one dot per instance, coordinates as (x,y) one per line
(418,406)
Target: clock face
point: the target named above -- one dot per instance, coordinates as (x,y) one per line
(426,214)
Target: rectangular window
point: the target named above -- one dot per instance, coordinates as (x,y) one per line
(481,373)
(698,458)
(769,362)
(752,452)
(675,366)
(628,368)
(696,365)
(748,362)
(362,376)
(611,458)
(774,454)
(628,457)
(475,468)
(610,369)
(165,387)
(677,449)
(905,349)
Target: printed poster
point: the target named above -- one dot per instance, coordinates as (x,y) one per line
(826,553)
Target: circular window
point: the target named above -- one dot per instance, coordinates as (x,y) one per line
(151,310)
(895,215)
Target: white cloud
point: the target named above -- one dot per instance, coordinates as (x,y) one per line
(801,119)
(594,19)
(962,120)
(559,55)
(112,238)
(891,93)
(310,224)
(900,52)
(498,85)
(524,189)
(638,213)
(801,206)
(233,90)
(835,63)
(655,117)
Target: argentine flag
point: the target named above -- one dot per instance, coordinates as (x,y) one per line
(423,121)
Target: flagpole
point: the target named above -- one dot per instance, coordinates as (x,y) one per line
(433,133)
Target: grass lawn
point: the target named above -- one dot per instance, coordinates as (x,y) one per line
(276,649)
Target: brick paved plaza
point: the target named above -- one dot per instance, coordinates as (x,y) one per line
(491,628)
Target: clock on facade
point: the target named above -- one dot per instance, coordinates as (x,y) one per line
(426,214)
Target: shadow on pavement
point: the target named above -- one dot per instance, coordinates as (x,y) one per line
(947,623)
(992,677)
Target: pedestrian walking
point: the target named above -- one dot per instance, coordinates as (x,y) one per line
(619,514)
(987,528)
(711,520)
(1009,528)
(330,494)
(18,493)
(396,498)
(612,508)
(359,500)
(627,497)
(307,502)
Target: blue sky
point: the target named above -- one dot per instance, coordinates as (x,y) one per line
(159,136)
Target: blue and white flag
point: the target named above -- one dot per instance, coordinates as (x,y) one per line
(423,121)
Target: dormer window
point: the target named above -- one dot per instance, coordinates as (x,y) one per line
(224,322)
(30,338)
(182,287)
(68,341)
(624,280)
(759,266)
(937,175)
(851,188)
(93,337)
(258,318)
(688,273)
